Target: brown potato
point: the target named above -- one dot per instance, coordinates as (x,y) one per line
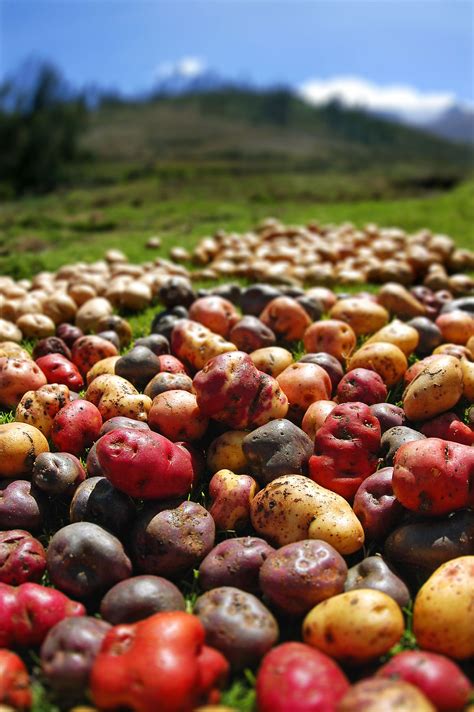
(436,389)
(272,360)
(91,312)
(456,327)
(9,332)
(384,358)
(20,445)
(10,349)
(36,326)
(399,301)
(354,627)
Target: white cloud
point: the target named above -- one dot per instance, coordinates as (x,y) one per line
(186,67)
(406,101)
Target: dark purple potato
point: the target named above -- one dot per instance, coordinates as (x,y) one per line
(96,500)
(51,345)
(120,421)
(312,307)
(173,540)
(388,415)
(417,549)
(429,335)
(250,334)
(177,291)
(291,290)
(277,448)
(237,624)
(375,505)
(120,326)
(394,438)
(235,562)
(68,653)
(165,381)
(139,597)
(230,291)
(155,342)
(330,364)
(58,473)
(111,336)
(20,505)
(138,366)
(85,560)
(69,333)
(22,558)
(254,299)
(373,572)
(298,576)
(92,462)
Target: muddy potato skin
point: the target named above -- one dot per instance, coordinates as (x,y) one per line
(437,388)
(58,473)
(163,382)
(293,507)
(115,396)
(237,624)
(384,358)
(39,408)
(297,576)
(194,344)
(20,445)
(16,377)
(226,452)
(443,614)
(235,562)
(375,695)
(87,350)
(271,359)
(354,627)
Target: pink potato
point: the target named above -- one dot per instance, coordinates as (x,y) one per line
(144,464)
(316,415)
(59,369)
(434,476)
(17,376)
(176,415)
(76,427)
(361,385)
(286,318)
(303,384)
(87,350)
(170,364)
(297,677)
(22,557)
(331,336)
(218,314)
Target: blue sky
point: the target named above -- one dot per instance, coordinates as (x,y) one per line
(426,45)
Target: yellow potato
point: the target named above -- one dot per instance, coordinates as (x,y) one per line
(380,695)
(354,627)
(20,445)
(11,349)
(91,312)
(103,367)
(443,614)
(293,507)
(467,368)
(116,396)
(40,407)
(470,345)
(363,315)
(384,358)
(8,331)
(271,359)
(399,334)
(195,344)
(225,452)
(436,389)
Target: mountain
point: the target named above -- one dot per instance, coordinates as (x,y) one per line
(455,124)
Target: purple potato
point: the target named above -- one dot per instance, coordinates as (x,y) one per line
(111,336)
(235,562)
(69,333)
(58,473)
(388,415)
(68,653)
(254,299)
(92,462)
(375,505)
(85,560)
(394,438)
(139,597)
(298,576)
(373,572)
(138,366)
(430,335)
(157,343)
(51,345)
(121,421)
(177,291)
(20,505)
(97,500)
(237,624)
(312,306)
(277,448)
(250,334)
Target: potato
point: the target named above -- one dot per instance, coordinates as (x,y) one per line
(138,366)
(231,495)
(394,438)
(91,312)
(331,336)
(36,326)
(250,334)
(428,334)
(286,318)
(456,327)
(176,415)
(235,562)
(398,333)
(226,452)
(356,626)
(114,396)
(87,350)
(195,344)
(140,597)
(217,314)
(399,301)
(20,445)
(40,407)
(9,332)
(443,614)
(316,415)
(16,377)
(374,695)
(293,507)
(384,358)
(364,316)
(303,384)
(437,388)
(60,307)
(103,367)
(373,572)
(271,360)
(467,368)
(277,448)
(10,349)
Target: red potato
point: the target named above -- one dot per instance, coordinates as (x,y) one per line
(332,336)
(16,377)
(438,677)
(375,504)
(76,427)
(346,448)
(434,476)
(449,427)
(171,364)
(218,314)
(361,385)
(176,415)
(286,318)
(87,350)
(316,415)
(144,464)
(22,557)
(59,369)
(303,384)
(15,691)
(296,677)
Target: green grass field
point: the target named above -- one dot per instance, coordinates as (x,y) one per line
(183,202)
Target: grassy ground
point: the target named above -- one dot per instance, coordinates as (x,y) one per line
(181,205)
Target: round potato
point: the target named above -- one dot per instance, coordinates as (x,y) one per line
(331,336)
(272,360)
(176,415)
(398,333)
(36,326)
(226,452)
(20,445)
(443,614)
(375,695)
(16,377)
(356,626)
(364,316)
(436,389)
(384,358)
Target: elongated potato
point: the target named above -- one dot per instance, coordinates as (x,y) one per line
(356,626)
(436,389)
(443,614)
(398,333)
(293,507)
